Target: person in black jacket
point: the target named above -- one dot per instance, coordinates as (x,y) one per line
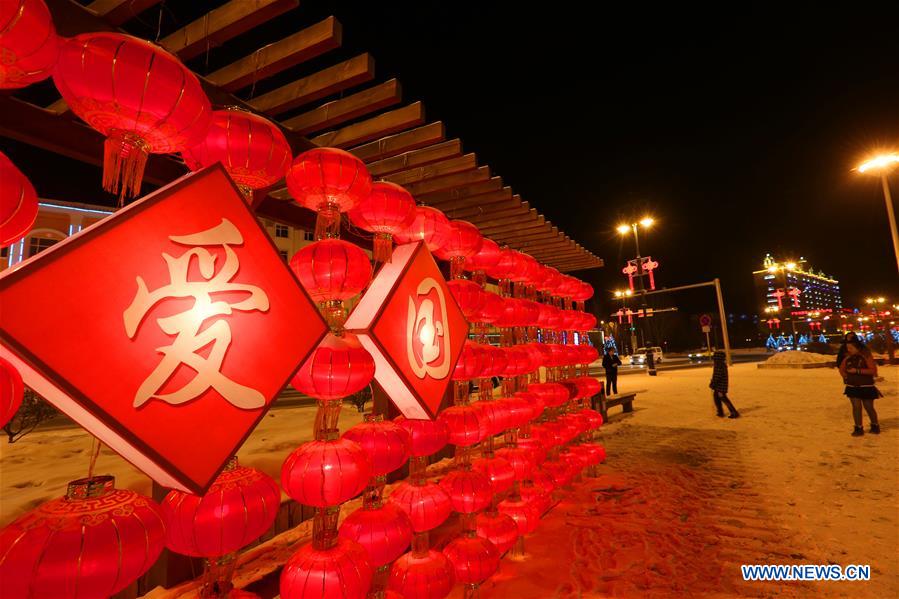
(611,362)
(718,385)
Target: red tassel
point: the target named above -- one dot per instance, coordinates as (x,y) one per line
(382,251)
(124,159)
(327,223)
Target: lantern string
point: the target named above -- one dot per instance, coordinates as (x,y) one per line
(95,453)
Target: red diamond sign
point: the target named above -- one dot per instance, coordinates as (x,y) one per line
(411,325)
(166,330)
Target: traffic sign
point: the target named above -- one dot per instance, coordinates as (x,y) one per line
(705,321)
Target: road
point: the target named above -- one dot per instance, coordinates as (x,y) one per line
(682,362)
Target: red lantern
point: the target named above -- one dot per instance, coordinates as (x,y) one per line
(507,265)
(338,367)
(520,459)
(496,414)
(385,532)
(518,361)
(331,271)
(537,497)
(528,271)
(466,424)
(325,473)
(18,203)
(522,512)
(426,437)
(474,559)
(137,95)
(469,297)
(240,505)
(471,362)
(498,528)
(93,542)
(429,225)
(552,394)
(549,317)
(339,572)
(422,575)
(594,418)
(492,309)
(328,181)
(427,505)
(387,210)
(485,258)
(519,407)
(385,442)
(462,241)
(549,279)
(28,43)
(11,391)
(498,470)
(534,447)
(251,148)
(469,491)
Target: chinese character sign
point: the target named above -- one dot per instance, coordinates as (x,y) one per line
(410,323)
(166,330)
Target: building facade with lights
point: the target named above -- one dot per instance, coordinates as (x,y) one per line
(57,220)
(792,294)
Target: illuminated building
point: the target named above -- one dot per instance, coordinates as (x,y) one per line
(792,296)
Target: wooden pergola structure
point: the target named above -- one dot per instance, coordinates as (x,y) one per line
(394,139)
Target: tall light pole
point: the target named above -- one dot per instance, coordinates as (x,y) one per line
(623,229)
(883,165)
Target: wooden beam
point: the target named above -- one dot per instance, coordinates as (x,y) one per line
(495,210)
(450,181)
(116,12)
(35,126)
(440,198)
(513,227)
(561,239)
(488,221)
(329,81)
(346,109)
(399,143)
(482,199)
(382,125)
(521,239)
(278,56)
(222,24)
(441,151)
(435,169)
(557,254)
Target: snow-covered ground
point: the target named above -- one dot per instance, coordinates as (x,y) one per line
(799,357)
(833,498)
(37,467)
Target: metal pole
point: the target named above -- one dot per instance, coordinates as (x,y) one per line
(891,216)
(723,318)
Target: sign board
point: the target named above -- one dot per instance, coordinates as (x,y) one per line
(705,321)
(706,329)
(165,330)
(411,325)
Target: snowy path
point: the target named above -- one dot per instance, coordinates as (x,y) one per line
(686,497)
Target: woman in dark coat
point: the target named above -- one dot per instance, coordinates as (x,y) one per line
(719,386)
(841,354)
(859,370)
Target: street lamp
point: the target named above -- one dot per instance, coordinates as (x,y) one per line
(624,228)
(883,165)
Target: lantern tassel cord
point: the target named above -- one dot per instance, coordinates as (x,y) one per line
(95,453)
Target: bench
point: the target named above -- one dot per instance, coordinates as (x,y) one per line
(625,400)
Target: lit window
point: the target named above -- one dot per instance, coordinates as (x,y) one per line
(39,244)
(281,231)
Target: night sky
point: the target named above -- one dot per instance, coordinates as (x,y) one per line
(737,130)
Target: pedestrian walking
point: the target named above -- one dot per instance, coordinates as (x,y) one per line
(859,370)
(718,385)
(611,362)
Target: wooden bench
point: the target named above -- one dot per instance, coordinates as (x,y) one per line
(625,400)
